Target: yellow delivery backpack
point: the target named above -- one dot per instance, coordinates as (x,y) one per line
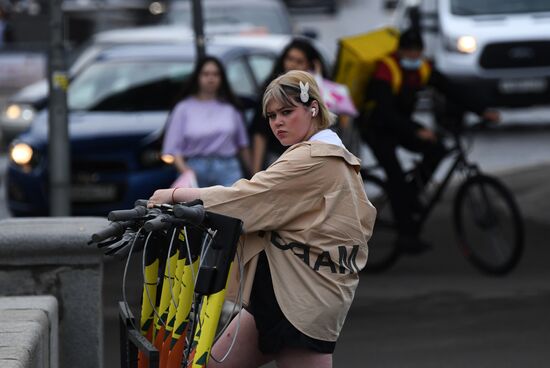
(357,57)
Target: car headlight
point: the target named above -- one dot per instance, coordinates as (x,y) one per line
(21,154)
(466,44)
(461,44)
(24,156)
(18,113)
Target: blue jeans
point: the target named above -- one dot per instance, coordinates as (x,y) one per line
(215,170)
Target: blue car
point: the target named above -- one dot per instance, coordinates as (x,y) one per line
(118,107)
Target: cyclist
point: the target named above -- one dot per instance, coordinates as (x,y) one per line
(386,123)
(307,222)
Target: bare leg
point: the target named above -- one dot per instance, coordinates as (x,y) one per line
(245,352)
(299,358)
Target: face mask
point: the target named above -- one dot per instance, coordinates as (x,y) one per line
(410,64)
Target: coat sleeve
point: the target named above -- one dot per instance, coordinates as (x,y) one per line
(388,117)
(289,188)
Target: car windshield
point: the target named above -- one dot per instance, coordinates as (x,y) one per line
(486,7)
(128,86)
(267,19)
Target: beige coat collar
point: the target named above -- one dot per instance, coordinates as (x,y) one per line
(320,149)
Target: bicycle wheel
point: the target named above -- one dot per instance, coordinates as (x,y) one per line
(383,251)
(489,225)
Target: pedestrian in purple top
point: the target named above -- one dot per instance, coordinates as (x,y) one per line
(205,131)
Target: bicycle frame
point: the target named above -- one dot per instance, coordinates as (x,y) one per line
(460,161)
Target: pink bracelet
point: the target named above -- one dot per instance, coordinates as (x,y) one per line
(174,192)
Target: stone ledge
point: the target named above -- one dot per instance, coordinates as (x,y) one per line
(24,341)
(29,332)
(11,364)
(45,240)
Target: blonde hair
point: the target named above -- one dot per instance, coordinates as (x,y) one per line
(286,90)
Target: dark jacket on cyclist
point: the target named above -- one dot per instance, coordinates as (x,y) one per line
(387,123)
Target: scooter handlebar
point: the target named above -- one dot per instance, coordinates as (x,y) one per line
(194,215)
(114,229)
(122,215)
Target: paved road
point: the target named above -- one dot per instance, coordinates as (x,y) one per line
(436,310)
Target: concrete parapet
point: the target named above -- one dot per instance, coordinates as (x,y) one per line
(29,332)
(41,256)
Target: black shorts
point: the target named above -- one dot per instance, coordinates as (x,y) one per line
(275,331)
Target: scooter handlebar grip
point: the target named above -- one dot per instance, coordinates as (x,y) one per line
(140,202)
(194,215)
(158,223)
(114,229)
(122,215)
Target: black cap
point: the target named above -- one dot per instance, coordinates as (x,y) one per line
(411,39)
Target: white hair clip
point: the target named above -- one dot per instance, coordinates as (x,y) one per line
(304,92)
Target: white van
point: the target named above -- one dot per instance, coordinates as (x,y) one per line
(498,49)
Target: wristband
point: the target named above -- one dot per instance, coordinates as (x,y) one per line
(174,192)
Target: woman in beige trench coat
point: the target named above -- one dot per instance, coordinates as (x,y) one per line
(307,221)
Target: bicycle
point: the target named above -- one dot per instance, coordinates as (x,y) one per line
(484,210)
(196,249)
